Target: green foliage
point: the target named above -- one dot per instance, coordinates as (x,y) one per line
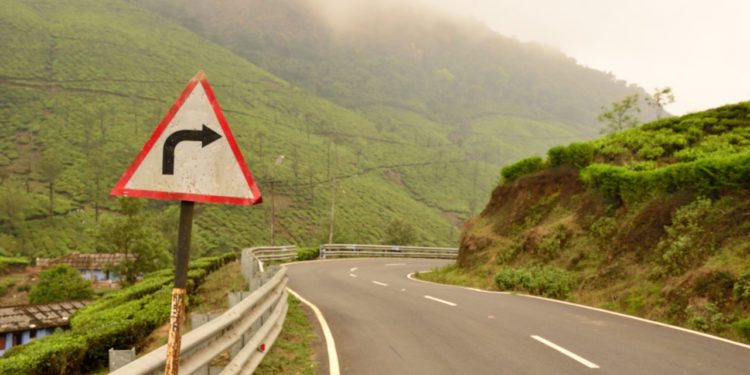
(552,244)
(11,262)
(659,99)
(60,283)
(292,353)
(621,115)
(135,236)
(742,288)
(707,318)
(61,353)
(400,232)
(706,176)
(742,327)
(685,244)
(520,168)
(98,100)
(578,155)
(308,253)
(120,319)
(546,281)
(602,230)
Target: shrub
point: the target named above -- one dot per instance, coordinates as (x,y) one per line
(547,281)
(685,245)
(118,320)
(742,288)
(308,253)
(551,245)
(6,262)
(520,168)
(56,354)
(602,230)
(399,232)
(742,327)
(578,155)
(60,283)
(706,176)
(706,318)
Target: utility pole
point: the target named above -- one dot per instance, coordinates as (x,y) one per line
(273,212)
(328,162)
(279,160)
(333,210)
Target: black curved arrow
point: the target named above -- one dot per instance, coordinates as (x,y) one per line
(206,136)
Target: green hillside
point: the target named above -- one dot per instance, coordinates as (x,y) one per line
(499,99)
(652,221)
(88,81)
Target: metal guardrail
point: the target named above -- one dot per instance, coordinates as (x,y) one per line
(355,250)
(278,253)
(244,329)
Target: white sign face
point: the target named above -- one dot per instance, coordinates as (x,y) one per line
(191,156)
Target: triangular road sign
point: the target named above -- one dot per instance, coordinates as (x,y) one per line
(192,155)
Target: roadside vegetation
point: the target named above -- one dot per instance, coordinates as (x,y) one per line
(652,221)
(120,319)
(292,353)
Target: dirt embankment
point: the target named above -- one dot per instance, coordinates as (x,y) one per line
(677,257)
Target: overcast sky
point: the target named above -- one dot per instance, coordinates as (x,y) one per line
(700,48)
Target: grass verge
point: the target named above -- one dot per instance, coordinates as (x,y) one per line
(292,352)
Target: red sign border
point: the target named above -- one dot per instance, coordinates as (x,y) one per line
(120,189)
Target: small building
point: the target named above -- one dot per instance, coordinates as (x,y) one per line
(92,266)
(21,324)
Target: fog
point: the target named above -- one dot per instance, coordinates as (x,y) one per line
(698,47)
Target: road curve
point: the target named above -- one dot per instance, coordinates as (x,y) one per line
(385,323)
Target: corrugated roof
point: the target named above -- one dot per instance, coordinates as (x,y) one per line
(88,261)
(21,318)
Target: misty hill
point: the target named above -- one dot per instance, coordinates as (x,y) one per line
(501,99)
(88,81)
(652,221)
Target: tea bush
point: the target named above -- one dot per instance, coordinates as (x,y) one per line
(578,155)
(521,168)
(308,253)
(118,320)
(546,281)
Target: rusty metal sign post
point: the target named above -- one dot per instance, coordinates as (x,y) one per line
(176,317)
(192,156)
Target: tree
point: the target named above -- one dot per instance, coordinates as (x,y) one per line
(137,236)
(60,283)
(97,164)
(659,99)
(49,169)
(620,115)
(400,232)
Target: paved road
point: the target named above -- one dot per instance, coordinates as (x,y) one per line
(385,323)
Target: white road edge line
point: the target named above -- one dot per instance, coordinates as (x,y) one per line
(396,264)
(333,358)
(660,324)
(379,283)
(440,300)
(562,350)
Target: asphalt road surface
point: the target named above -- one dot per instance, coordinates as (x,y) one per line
(384,323)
